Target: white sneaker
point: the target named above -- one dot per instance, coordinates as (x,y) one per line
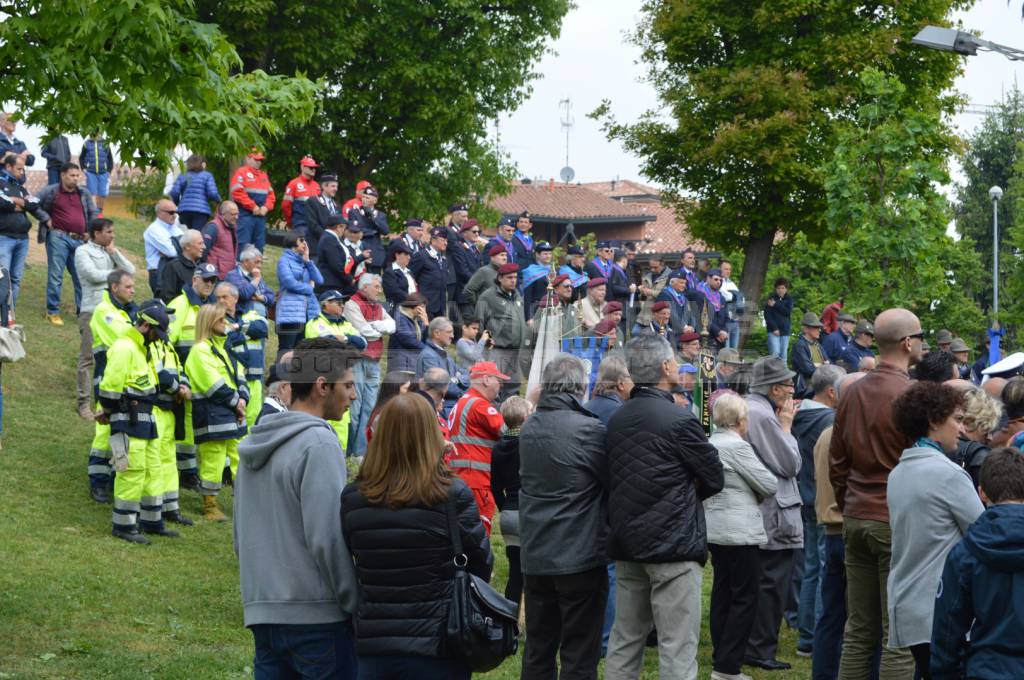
(715,675)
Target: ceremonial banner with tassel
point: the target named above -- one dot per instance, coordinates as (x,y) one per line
(705,375)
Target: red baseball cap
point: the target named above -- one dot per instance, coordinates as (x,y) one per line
(255,154)
(485,368)
(308,162)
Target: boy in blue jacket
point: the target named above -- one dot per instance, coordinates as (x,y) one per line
(982,587)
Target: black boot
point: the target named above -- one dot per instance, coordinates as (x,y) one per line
(132,536)
(100,493)
(226,478)
(188,480)
(162,531)
(178,518)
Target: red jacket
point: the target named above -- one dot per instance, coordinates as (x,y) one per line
(372,311)
(830,317)
(250,188)
(298,190)
(475,427)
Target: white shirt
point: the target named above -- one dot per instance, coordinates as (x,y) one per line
(408,277)
(727,290)
(158,239)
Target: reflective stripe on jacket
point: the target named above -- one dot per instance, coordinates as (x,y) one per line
(128,388)
(217,385)
(475,427)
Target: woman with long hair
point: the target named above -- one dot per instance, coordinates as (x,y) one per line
(219,396)
(395,383)
(394,518)
(193,192)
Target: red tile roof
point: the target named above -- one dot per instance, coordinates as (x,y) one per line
(565,202)
(622,187)
(668,233)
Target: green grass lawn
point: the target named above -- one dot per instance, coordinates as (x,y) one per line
(75,602)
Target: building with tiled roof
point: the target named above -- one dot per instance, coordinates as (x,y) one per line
(668,232)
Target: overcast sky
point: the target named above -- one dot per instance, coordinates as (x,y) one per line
(592,60)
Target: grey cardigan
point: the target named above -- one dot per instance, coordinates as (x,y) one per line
(733,515)
(93,264)
(780,453)
(931,501)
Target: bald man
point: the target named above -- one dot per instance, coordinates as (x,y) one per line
(865,447)
(994,388)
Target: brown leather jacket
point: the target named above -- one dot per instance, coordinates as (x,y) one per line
(865,444)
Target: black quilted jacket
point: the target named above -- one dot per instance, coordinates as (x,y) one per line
(661,467)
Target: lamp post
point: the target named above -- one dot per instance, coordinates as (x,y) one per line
(995,193)
(961,42)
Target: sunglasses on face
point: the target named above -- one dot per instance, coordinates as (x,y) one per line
(915,336)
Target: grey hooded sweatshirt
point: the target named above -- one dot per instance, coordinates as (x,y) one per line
(294,565)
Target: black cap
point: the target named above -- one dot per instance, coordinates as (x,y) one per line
(273,375)
(603,244)
(525,213)
(369,191)
(439,232)
(328,178)
(505,220)
(456,207)
(400,247)
(543,246)
(414,222)
(334,220)
(154,312)
(206,271)
(574,250)
(353,227)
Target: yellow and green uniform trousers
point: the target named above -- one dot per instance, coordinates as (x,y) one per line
(248,344)
(127,394)
(170,378)
(110,320)
(182,334)
(218,382)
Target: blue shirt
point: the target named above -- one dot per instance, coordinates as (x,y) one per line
(158,239)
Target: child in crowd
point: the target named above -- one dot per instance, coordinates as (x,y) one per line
(505,487)
(469,350)
(982,587)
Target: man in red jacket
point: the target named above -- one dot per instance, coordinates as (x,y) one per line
(475,427)
(251,190)
(221,239)
(298,191)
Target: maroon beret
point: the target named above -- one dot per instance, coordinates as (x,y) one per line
(604,327)
(659,305)
(496,250)
(558,280)
(689,337)
(613,306)
(594,283)
(468,224)
(510,268)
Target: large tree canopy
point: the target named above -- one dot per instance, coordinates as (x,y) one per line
(145,73)
(754,95)
(411,86)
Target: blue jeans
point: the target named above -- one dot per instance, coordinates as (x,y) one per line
(398,667)
(367,376)
(778,345)
(251,229)
(733,327)
(324,651)
(828,630)
(60,255)
(609,611)
(13,252)
(810,594)
(98,185)
(52,175)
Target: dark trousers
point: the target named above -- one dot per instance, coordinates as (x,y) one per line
(922,659)
(828,630)
(193,219)
(514,587)
(397,667)
(288,335)
(733,603)
(564,615)
(773,590)
(309,652)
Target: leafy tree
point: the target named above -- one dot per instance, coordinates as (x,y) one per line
(754,94)
(144,73)
(991,157)
(411,86)
(882,180)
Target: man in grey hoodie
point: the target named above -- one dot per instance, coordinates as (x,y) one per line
(299,585)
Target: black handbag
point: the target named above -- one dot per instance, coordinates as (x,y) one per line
(482,629)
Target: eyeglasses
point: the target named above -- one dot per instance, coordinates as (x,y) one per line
(914,336)
(169,212)
(474,231)
(788,386)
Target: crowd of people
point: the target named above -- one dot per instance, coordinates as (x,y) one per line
(838,491)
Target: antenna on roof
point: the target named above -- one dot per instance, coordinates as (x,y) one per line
(567,173)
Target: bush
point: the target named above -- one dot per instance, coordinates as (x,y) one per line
(142,189)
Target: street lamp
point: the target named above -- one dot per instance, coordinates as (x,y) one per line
(995,193)
(961,42)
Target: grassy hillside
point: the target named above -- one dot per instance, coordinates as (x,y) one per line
(75,602)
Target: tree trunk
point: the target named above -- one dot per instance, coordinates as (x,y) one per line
(756,258)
